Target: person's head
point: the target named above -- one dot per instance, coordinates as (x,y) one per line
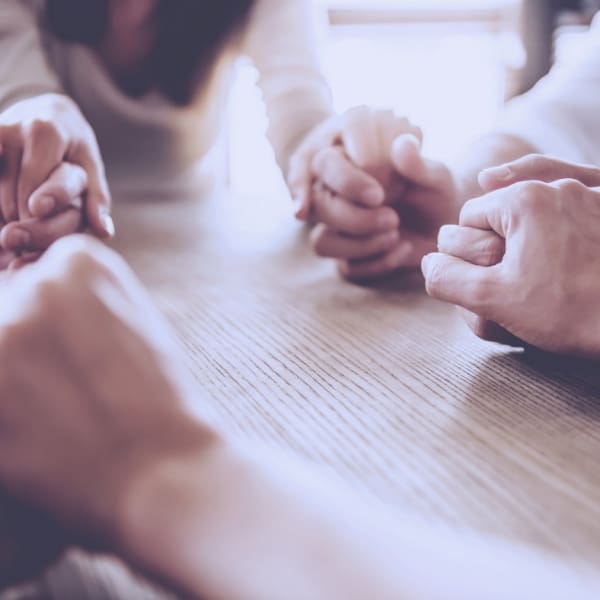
(188,36)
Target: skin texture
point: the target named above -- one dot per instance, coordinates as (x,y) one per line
(48,309)
(349,177)
(83,350)
(522,283)
(49,164)
(377,202)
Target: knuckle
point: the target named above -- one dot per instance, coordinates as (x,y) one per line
(530,196)
(322,159)
(79,256)
(535,160)
(571,187)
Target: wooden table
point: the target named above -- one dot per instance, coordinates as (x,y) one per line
(384,385)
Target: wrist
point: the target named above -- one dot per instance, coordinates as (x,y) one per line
(168,516)
(143,470)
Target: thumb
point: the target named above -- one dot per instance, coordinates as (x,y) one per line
(98,200)
(409,162)
(299,182)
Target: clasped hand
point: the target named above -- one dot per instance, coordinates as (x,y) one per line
(376,201)
(525,257)
(52,182)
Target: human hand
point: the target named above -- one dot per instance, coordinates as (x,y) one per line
(37,136)
(393,225)
(322,156)
(84,352)
(423,194)
(524,256)
(56,212)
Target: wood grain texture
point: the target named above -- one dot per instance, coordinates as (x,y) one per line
(384,386)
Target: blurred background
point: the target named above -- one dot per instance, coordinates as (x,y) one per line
(449,65)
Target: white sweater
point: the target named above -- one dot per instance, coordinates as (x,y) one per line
(560,116)
(148,144)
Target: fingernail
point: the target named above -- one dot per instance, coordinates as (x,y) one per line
(425,263)
(108,224)
(297,205)
(374,196)
(17,238)
(503,173)
(42,205)
(445,235)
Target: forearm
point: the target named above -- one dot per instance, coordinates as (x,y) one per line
(230,525)
(491,150)
(223,525)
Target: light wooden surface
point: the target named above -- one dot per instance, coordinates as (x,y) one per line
(384,385)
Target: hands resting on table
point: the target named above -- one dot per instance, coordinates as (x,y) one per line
(52,180)
(170,486)
(518,246)
(377,204)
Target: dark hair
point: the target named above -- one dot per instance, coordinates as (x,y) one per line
(191,34)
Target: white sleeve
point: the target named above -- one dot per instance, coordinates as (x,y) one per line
(24,69)
(283,43)
(560,116)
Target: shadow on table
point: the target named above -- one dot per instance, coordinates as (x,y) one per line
(533,377)
(404,281)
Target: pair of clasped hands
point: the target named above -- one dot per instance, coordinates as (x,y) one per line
(52,182)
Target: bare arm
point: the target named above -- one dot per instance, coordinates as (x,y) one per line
(227,525)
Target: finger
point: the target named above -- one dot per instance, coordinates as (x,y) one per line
(453,280)
(330,244)
(477,246)
(43,151)
(409,162)
(97,199)
(396,258)
(10,163)
(497,210)
(24,260)
(31,235)
(489,330)
(536,167)
(335,170)
(345,217)
(62,189)
(299,176)
(390,127)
